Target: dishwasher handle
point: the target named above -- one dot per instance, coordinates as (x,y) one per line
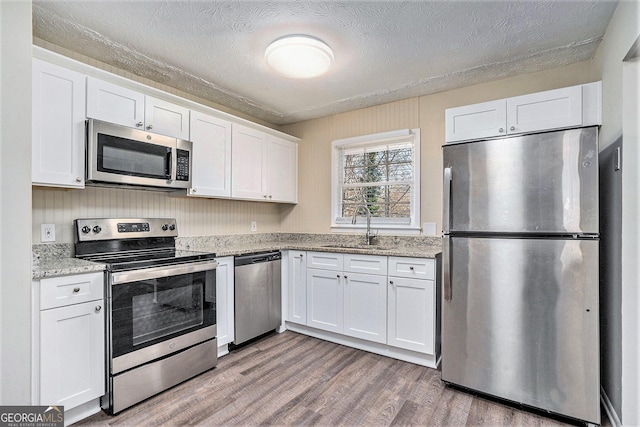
(257,258)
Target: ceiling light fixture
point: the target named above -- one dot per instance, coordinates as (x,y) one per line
(299,56)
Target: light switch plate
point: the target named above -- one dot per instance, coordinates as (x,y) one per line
(47,232)
(254,226)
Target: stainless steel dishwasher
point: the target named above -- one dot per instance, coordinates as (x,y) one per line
(257,295)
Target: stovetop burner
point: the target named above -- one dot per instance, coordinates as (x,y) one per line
(126,244)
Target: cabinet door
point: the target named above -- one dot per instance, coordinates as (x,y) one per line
(365,306)
(552,109)
(224,300)
(411,314)
(58,108)
(114,104)
(297,287)
(282,170)
(247,163)
(476,121)
(325,300)
(166,118)
(211,139)
(72,355)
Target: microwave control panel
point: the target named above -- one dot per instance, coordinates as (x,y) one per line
(182,168)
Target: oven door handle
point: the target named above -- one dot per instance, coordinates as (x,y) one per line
(121,277)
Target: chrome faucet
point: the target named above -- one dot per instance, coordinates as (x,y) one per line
(367,212)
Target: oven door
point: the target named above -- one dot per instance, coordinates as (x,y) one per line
(161,310)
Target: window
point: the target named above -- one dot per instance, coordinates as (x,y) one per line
(381,172)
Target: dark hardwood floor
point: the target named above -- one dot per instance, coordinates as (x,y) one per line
(292,379)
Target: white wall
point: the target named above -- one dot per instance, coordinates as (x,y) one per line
(630,241)
(15,202)
(618,120)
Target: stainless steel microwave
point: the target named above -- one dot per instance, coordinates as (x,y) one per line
(121,155)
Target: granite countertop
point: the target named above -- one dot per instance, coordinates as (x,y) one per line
(64,266)
(422,251)
(51,260)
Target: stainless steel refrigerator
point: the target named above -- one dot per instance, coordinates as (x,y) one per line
(520,270)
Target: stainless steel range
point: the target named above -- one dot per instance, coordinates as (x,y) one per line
(161,327)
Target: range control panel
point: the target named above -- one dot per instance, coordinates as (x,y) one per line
(108,228)
(133,227)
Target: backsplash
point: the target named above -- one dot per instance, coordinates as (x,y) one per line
(195,216)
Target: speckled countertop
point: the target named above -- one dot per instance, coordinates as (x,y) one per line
(57,259)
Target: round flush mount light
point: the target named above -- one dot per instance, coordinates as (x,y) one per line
(299,57)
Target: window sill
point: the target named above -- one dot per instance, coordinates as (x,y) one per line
(377,228)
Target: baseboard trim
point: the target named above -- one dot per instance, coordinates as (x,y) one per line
(608,408)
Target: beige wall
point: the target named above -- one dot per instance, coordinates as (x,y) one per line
(195,216)
(312,214)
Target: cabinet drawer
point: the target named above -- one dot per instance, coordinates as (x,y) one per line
(325,260)
(414,268)
(67,290)
(369,264)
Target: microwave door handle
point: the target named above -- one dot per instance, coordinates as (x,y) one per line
(121,277)
(170,159)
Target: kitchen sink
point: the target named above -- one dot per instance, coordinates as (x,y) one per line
(360,246)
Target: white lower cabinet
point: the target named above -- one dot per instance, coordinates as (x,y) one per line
(224,303)
(386,305)
(325,300)
(70,346)
(296,289)
(365,306)
(412,322)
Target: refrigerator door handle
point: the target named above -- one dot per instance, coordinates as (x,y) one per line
(446,267)
(446,203)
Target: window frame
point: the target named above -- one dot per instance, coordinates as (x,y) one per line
(383,225)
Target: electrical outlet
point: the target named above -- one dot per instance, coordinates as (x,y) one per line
(47,232)
(254,226)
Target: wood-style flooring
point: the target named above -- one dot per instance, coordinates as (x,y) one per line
(292,379)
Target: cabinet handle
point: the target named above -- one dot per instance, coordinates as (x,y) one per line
(301,255)
(265,196)
(269,195)
(411,267)
(512,128)
(139,124)
(76,290)
(345,277)
(391,282)
(149,127)
(193,190)
(338,276)
(98,308)
(78,179)
(501,130)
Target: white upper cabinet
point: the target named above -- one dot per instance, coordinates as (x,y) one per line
(545,110)
(211,139)
(476,121)
(58,108)
(264,167)
(248,161)
(166,118)
(282,170)
(553,109)
(116,104)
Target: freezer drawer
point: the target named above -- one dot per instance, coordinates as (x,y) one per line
(521,322)
(542,183)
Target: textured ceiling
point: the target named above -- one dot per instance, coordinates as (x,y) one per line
(384,50)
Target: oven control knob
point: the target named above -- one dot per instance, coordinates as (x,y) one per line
(86,229)
(165,227)
(172,227)
(97,229)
